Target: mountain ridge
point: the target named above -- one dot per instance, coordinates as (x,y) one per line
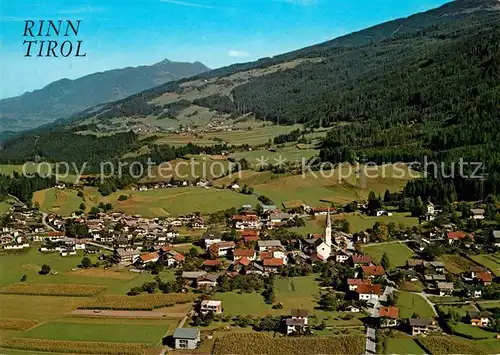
(63,97)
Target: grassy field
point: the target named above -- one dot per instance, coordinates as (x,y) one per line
(401,345)
(341,185)
(397,252)
(410,303)
(42,168)
(469,330)
(62,202)
(126,333)
(297,292)
(5,206)
(491,261)
(16,264)
(289,154)
(456,264)
(177,201)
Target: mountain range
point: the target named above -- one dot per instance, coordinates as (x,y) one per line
(66,97)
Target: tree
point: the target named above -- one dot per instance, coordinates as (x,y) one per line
(45,269)
(24,278)
(193,252)
(122,198)
(329,302)
(82,206)
(94,210)
(385,261)
(86,262)
(380,230)
(79,194)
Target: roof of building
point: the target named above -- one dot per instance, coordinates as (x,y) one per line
(445,285)
(358,281)
(149,256)
(207,277)
(246,218)
(179,257)
(369,289)
(496,234)
(375,270)
(477,211)
(123,252)
(215,262)
(478,314)
(419,322)
(249,233)
(244,252)
(414,262)
(192,274)
(301,313)
(244,261)
(211,303)
(273,262)
(484,276)
(269,243)
(459,235)
(187,333)
(291,321)
(361,259)
(389,312)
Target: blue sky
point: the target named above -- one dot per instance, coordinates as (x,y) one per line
(121,33)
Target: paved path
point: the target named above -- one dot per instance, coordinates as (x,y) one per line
(371,341)
(44,216)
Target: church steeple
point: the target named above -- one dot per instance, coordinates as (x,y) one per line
(328,229)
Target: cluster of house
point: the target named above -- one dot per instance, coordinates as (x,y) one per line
(23,225)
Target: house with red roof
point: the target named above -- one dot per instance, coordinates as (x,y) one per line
(368,291)
(149,258)
(358,260)
(244,253)
(388,316)
(272,264)
(353,284)
(372,271)
(459,235)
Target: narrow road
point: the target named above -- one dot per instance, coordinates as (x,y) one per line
(371,341)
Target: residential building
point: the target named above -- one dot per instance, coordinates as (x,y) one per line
(388,316)
(211,306)
(206,282)
(358,260)
(459,235)
(222,248)
(477,213)
(420,325)
(127,257)
(244,253)
(298,321)
(445,288)
(479,318)
(186,338)
(266,244)
(367,292)
(272,264)
(372,271)
(352,284)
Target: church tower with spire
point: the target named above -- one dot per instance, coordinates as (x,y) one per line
(328,229)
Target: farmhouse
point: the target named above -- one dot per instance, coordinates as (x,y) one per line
(173,258)
(222,248)
(388,316)
(353,284)
(358,260)
(297,322)
(367,292)
(244,253)
(248,221)
(272,264)
(211,306)
(459,235)
(445,288)
(372,271)
(250,235)
(477,213)
(127,257)
(149,258)
(186,338)
(206,282)
(479,319)
(266,244)
(420,325)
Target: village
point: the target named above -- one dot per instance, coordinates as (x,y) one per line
(420,295)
